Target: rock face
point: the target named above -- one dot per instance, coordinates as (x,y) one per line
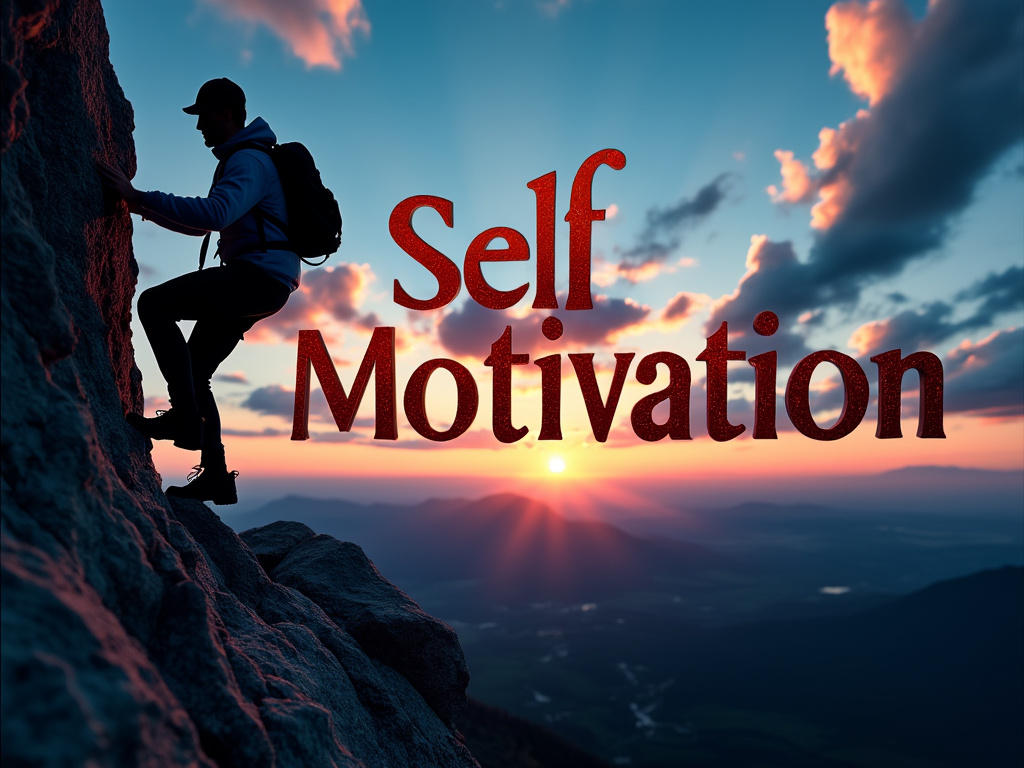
(136,632)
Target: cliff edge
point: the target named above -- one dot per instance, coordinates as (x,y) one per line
(136,632)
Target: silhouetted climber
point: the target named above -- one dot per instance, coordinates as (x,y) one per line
(246,205)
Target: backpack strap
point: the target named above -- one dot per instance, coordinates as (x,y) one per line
(256,211)
(206,239)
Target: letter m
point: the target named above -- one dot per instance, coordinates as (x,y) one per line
(379,358)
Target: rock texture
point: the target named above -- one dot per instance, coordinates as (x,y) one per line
(136,632)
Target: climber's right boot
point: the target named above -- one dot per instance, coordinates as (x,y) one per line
(213,485)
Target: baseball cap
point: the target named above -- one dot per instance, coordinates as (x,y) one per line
(216,94)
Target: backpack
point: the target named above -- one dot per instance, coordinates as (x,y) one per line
(314,219)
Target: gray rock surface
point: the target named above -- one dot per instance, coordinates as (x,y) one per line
(270,543)
(136,632)
(387,624)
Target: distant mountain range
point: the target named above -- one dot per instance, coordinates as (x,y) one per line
(508,549)
(514,549)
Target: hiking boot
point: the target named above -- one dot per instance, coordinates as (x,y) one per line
(215,486)
(185,431)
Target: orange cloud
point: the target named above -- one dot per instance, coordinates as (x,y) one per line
(797,185)
(865,339)
(320,32)
(800,184)
(869,44)
(835,190)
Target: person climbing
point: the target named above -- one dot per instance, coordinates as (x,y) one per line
(246,205)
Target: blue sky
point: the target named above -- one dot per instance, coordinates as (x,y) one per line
(470,101)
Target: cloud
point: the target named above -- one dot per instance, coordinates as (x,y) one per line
(900,171)
(683,306)
(320,32)
(914,329)
(1001,292)
(775,281)
(664,229)
(987,378)
(470,330)
(235,377)
(869,44)
(328,294)
(797,185)
(890,180)
(337,437)
(268,432)
(911,329)
(474,439)
(275,400)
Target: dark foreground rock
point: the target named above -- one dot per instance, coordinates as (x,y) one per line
(134,632)
(340,578)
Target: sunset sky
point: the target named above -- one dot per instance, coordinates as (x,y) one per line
(858,169)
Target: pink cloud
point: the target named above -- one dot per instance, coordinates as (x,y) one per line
(797,186)
(683,306)
(829,184)
(868,337)
(606,273)
(869,44)
(328,295)
(470,330)
(320,32)
(891,180)
(987,377)
(233,377)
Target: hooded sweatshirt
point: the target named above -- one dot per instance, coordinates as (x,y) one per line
(249,179)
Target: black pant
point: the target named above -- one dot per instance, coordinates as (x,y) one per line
(226,301)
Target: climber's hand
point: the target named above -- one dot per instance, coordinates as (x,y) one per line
(115,182)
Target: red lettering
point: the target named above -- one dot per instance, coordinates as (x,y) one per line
(479,289)
(544,189)
(501,360)
(855,395)
(446,272)
(600,412)
(467,401)
(677,426)
(581,217)
(891,368)
(379,358)
(765,375)
(717,355)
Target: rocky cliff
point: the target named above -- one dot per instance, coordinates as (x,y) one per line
(136,632)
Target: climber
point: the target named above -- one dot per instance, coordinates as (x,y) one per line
(252,282)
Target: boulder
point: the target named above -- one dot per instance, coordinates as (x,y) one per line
(270,543)
(387,624)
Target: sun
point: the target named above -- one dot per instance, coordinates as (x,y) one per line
(556,464)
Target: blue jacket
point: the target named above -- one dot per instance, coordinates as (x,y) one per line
(249,179)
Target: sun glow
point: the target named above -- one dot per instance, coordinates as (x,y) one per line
(556,464)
